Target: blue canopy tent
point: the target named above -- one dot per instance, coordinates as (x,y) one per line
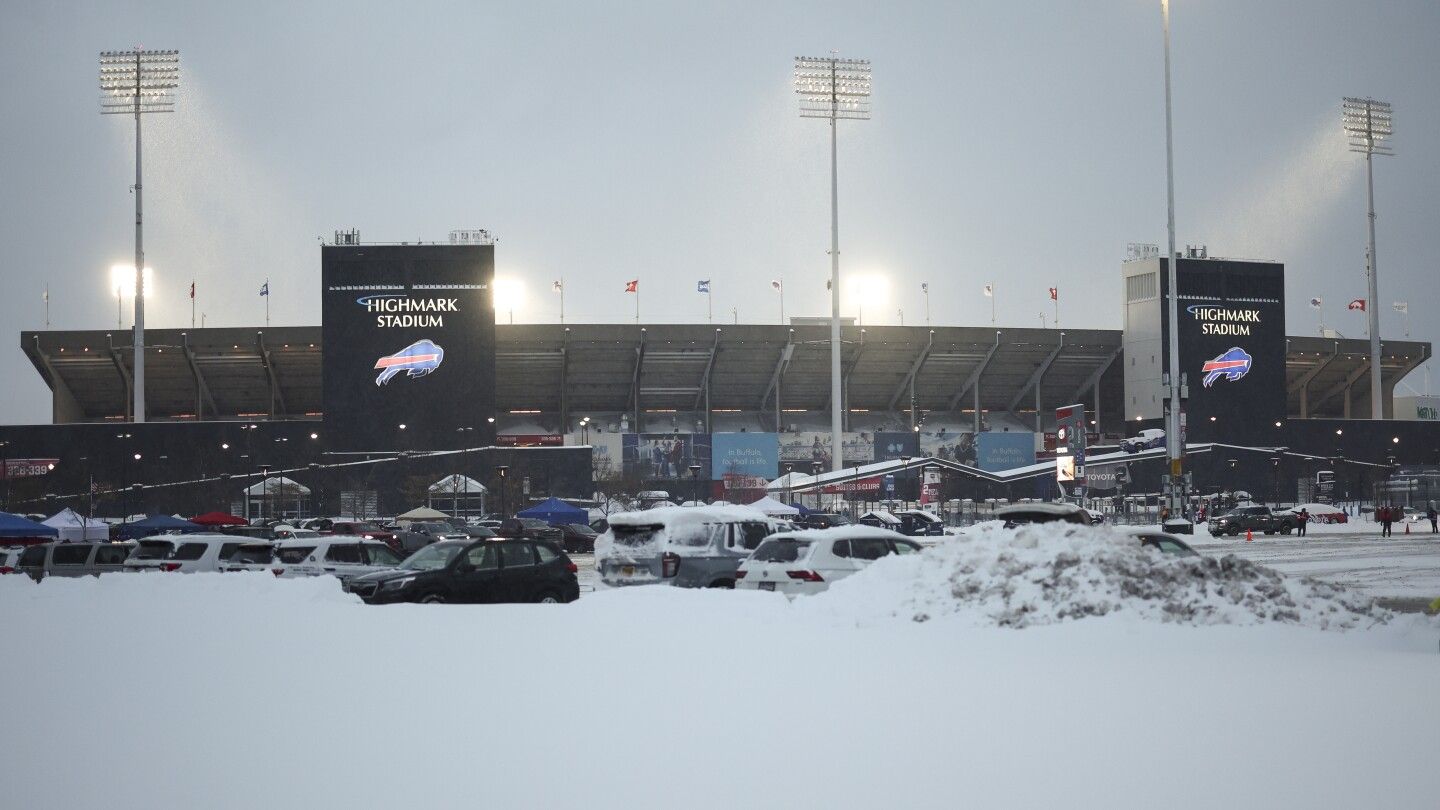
(555,512)
(14,527)
(155,524)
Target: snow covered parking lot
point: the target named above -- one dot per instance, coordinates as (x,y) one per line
(246,691)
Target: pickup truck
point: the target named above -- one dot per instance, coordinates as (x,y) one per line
(1254,519)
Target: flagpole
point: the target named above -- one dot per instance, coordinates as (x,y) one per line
(927,304)
(562,299)
(992,303)
(637,302)
(192,303)
(782,301)
(47,310)
(267,303)
(1057,307)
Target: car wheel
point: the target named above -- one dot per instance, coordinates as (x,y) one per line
(1235,531)
(723,583)
(433,599)
(1285,529)
(549,598)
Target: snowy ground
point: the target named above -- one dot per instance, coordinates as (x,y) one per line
(241,691)
(1405,566)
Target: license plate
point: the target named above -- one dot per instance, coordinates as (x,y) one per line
(767,586)
(628,570)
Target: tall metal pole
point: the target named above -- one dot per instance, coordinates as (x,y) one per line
(837,401)
(139,266)
(1174,449)
(1377,400)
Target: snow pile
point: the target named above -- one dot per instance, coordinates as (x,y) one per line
(1046,574)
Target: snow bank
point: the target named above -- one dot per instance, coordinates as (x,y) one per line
(1046,574)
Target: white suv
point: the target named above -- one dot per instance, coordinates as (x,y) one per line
(183,553)
(807,561)
(342,556)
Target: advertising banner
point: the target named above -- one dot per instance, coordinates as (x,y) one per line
(605,455)
(755,455)
(801,449)
(997,452)
(27,467)
(665,455)
(957,447)
(529,440)
(409,336)
(890,446)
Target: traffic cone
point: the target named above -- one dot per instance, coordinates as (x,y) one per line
(1407,527)
(1249,536)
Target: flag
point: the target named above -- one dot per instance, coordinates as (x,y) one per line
(192,291)
(1358,303)
(1316,302)
(989,290)
(827,283)
(633,286)
(776,285)
(556,286)
(702,286)
(925,287)
(1402,307)
(47,295)
(1054,293)
(265,288)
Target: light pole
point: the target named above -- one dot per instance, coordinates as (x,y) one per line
(1367,124)
(1174,446)
(135,82)
(695,476)
(834,88)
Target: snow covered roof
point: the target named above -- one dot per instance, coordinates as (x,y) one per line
(277,487)
(458,484)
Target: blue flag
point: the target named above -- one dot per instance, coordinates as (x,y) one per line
(702,286)
(265,288)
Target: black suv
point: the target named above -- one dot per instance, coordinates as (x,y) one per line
(477,572)
(822,520)
(1252,518)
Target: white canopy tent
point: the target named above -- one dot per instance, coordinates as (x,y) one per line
(276,497)
(775,508)
(275,486)
(76,528)
(421,513)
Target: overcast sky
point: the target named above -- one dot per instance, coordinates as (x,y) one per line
(1014,143)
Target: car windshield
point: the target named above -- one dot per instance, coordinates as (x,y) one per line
(152,550)
(356,528)
(533,523)
(781,550)
(432,528)
(253,555)
(579,528)
(634,535)
(432,558)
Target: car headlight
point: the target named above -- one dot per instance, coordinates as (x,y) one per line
(397,584)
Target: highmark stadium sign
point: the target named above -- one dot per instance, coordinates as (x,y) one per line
(1216,320)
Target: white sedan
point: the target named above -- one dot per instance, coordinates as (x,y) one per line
(807,561)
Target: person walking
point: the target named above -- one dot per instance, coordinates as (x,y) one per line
(1302,520)
(1384,514)
(1432,515)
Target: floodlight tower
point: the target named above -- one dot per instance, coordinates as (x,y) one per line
(135,82)
(834,88)
(1174,440)
(1367,123)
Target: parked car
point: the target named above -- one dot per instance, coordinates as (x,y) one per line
(72,559)
(577,538)
(183,553)
(288,533)
(1252,518)
(807,561)
(369,531)
(529,529)
(822,520)
(254,556)
(919,523)
(1325,513)
(1024,513)
(1144,440)
(685,546)
(252,532)
(340,556)
(1164,543)
(475,571)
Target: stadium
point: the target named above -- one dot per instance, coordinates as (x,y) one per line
(700,410)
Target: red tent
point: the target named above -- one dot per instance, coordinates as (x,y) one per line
(217,519)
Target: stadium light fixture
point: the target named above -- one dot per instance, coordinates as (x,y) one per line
(1369,126)
(1174,444)
(136,82)
(834,89)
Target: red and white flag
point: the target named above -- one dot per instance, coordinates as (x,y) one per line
(1358,304)
(632,286)
(1054,293)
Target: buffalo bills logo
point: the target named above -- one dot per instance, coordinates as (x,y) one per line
(416,360)
(1232,365)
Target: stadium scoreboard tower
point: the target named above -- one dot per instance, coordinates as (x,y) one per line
(409,335)
(1232,346)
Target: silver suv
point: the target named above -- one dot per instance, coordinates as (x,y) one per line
(685,546)
(73,559)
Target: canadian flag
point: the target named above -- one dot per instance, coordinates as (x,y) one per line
(632,286)
(1358,303)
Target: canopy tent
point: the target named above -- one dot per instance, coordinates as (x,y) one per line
(422,513)
(155,524)
(774,508)
(279,487)
(76,528)
(217,519)
(555,512)
(14,526)
(457,484)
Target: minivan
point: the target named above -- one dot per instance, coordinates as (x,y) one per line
(685,546)
(73,559)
